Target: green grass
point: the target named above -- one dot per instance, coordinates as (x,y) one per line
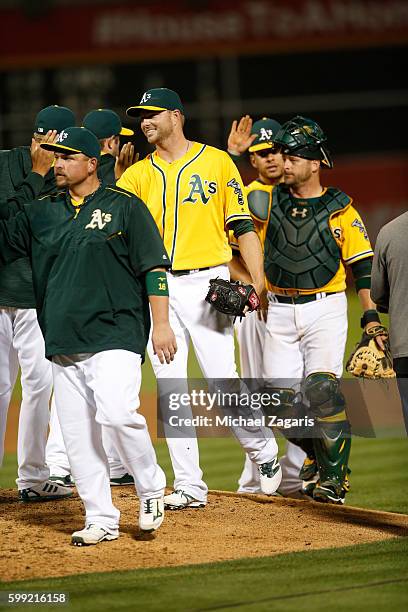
(379,478)
(364,577)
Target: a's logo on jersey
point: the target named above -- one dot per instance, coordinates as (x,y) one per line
(237,190)
(337,232)
(202,188)
(299,212)
(62,136)
(99,219)
(265,134)
(146,96)
(361,228)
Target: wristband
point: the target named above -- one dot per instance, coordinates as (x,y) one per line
(369,316)
(156,283)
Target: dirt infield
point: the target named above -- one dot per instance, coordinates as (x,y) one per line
(35,538)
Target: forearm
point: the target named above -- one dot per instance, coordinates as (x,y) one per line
(365,300)
(238,270)
(251,253)
(380,289)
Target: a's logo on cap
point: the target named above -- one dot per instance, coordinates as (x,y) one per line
(40,130)
(265,134)
(146,96)
(62,136)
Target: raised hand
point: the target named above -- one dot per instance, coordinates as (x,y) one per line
(126,158)
(240,137)
(41,159)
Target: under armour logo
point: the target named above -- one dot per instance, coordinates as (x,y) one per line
(62,136)
(146,96)
(301,213)
(99,219)
(265,134)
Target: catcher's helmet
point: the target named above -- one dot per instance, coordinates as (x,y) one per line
(303,137)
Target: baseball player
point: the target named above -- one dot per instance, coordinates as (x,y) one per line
(195,194)
(107,127)
(98,262)
(312,234)
(21,342)
(268,163)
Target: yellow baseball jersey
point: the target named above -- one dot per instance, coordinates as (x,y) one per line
(260,226)
(192,200)
(351,236)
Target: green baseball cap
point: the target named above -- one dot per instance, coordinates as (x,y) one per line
(75,140)
(158,99)
(53,118)
(265,129)
(104,123)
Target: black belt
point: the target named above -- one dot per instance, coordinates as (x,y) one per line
(302,299)
(184,272)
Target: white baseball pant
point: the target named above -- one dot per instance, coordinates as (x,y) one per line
(212,337)
(21,342)
(102,390)
(306,338)
(56,454)
(251,338)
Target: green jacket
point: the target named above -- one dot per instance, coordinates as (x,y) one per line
(16,284)
(88,266)
(106,168)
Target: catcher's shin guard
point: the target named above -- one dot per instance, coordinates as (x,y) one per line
(332,439)
(332,449)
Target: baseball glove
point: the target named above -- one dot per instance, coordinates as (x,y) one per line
(368,360)
(232,298)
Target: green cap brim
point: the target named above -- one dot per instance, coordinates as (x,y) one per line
(62,148)
(126,132)
(261,147)
(137,109)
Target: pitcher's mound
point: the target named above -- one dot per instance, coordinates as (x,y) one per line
(36,537)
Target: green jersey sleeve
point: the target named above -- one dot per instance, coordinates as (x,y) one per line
(15,238)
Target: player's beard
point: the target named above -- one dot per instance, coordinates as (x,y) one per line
(61,180)
(298,179)
(158,133)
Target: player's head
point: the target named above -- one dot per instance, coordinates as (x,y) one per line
(77,153)
(303,137)
(265,157)
(52,118)
(161,112)
(107,127)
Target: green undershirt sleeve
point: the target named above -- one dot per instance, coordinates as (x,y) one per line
(241,227)
(361,271)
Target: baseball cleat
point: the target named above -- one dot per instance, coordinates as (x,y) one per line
(309,469)
(126,479)
(270,475)
(151,513)
(179,499)
(91,534)
(308,486)
(47,491)
(328,494)
(309,475)
(64,481)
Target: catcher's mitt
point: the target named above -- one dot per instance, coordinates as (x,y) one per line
(232,298)
(368,360)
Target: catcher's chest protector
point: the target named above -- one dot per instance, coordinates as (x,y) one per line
(300,249)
